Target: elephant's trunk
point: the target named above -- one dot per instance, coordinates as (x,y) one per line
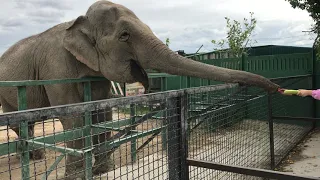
(167,61)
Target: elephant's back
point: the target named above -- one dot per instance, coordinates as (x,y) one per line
(22,46)
(15,59)
(20,60)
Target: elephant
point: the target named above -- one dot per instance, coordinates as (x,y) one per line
(109,41)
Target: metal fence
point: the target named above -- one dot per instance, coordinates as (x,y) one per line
(167,135)
(255,130)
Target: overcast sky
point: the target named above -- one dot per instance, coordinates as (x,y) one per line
(188,23)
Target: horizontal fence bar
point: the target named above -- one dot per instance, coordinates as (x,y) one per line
(160,75)
(49,141)
(247,171)
(67,135)
(48,82)
(54,147)
(90,79)
(110,145)
(108,128)
(8,147)
(66,81)
(296,118)
(291,77)
(33,115)
(113,124)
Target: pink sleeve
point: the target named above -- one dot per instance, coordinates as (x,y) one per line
(316,94)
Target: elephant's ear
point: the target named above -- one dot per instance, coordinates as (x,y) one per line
(80,43)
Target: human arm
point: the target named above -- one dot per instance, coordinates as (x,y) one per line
(314,93)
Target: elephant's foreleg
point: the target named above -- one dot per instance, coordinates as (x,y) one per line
(60,94)
(34,153)
(103,161)
(38,153)
(74,164)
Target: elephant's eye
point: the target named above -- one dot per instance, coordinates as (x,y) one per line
(124,36)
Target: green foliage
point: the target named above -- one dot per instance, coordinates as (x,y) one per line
(167,42)
(313,8)
(238,36)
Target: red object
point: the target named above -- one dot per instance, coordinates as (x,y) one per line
(280,90)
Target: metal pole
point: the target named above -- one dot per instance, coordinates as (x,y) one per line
(87,132)
(177,138)
(164,120)
(270,118)
(183,117)
(24,133)
(133,142)
(266,174)
(314,102)
(173,128)
(243,58)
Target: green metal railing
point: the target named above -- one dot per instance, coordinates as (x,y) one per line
(89,129)
(45,141)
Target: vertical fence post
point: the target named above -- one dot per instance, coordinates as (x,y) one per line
(164,121)
(87,132)
(242,65)
(271,135)
(133,142)
(24,134)
(183,117)
(124,89)
(314,84)
(177,146)
(244,68)
(188,78)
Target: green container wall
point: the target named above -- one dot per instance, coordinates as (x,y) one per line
(258,51)
(282,65)
(270,66)
(275,50)
(285,65)
(180,82)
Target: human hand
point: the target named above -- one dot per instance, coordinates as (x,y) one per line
(288,92)
(304,92)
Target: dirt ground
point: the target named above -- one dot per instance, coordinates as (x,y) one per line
(10,165)
(305,158)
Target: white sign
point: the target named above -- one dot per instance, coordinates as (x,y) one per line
(134,89)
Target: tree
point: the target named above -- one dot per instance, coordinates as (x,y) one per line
(313,8)
(238,36)
(167,42)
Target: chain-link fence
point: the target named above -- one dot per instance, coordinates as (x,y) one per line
(235,133)
(150,136)
(248,128)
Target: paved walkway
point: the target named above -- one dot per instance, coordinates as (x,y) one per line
(305,159)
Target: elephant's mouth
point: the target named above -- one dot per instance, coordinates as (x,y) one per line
(139,73)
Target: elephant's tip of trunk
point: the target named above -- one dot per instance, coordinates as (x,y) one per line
(267,85)
(271,87)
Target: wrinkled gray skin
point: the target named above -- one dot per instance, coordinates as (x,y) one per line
(108,41)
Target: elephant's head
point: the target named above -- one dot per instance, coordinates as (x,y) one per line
(111,39)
